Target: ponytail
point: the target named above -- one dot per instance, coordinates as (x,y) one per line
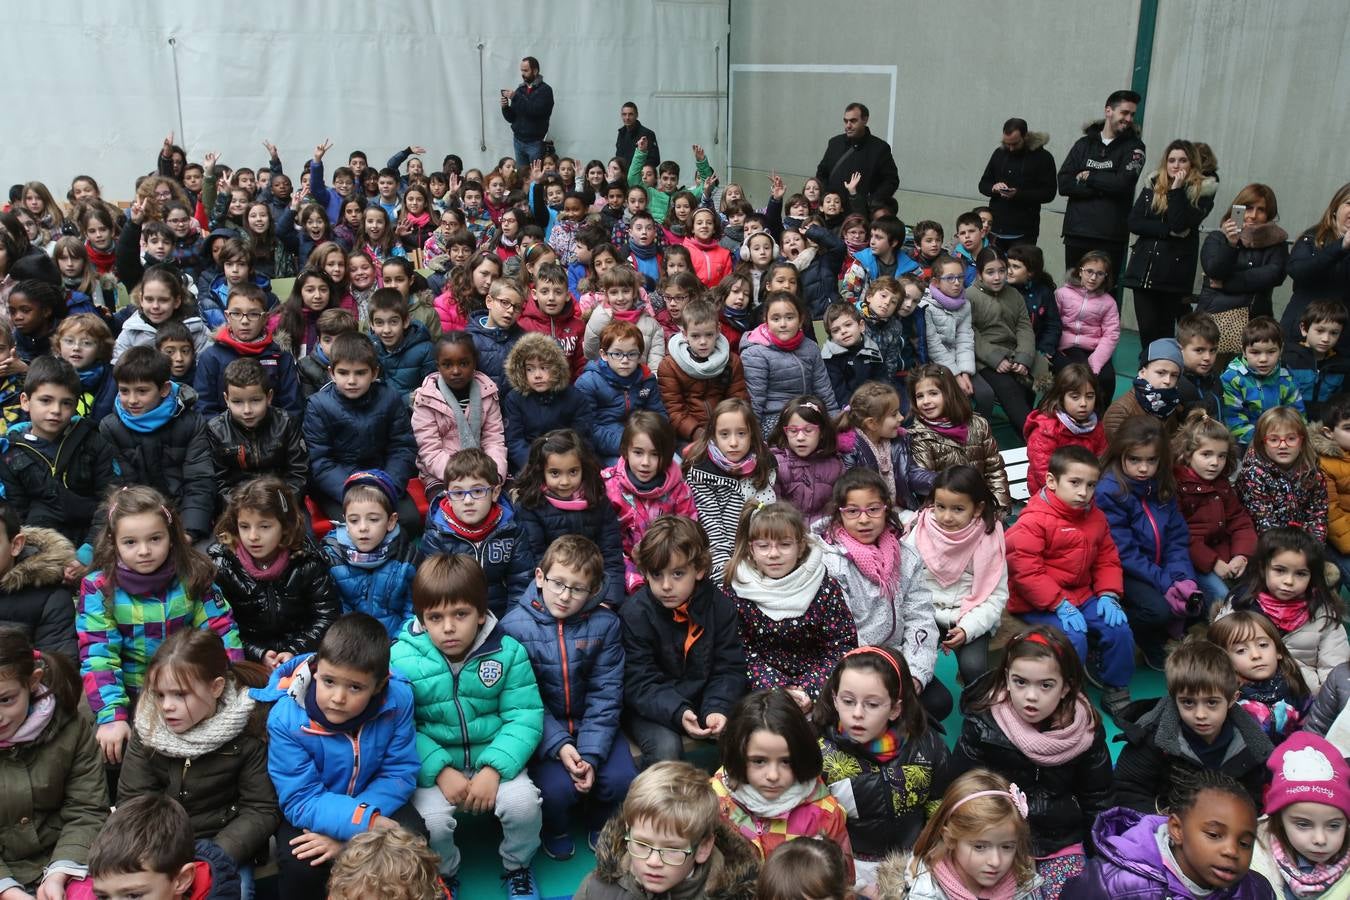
(19,659)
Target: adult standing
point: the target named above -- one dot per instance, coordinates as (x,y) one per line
(1098,177)
(859,150)
(632,131)
(1319,266)
(528,109)
(1243,263)
(1018,180)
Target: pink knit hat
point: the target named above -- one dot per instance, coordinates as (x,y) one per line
(1307,769)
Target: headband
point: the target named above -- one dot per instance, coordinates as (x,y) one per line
(112,507)
(1013,795)
(807,404)
(877,651)
(1035,637)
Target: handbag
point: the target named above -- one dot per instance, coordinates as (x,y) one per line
(1231,322)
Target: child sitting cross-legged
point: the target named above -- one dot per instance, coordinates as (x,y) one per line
(146,849)
(370,554)
(245,334)
(252,438)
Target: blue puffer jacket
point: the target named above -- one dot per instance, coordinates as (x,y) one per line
(493,345)
(379,583)
(209,380)
(904,263)
(820,276)
(374,431)
(211,305)
(545,523)
(527,416)
(504,555)
(1152,536)
(578,663)
(410,361)
(332,783)
(613,399)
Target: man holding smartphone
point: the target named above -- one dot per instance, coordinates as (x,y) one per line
(528,109)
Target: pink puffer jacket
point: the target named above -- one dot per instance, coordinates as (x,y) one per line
(1090,321)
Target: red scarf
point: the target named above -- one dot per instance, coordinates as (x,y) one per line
(247,348)
(101,260)
(790,344)
(418,221)
(470,533)
(630,316)
(1288,615)
(572,504)
(259,572)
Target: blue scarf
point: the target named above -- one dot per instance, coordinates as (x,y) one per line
(319,356)
(155,419)
(648,266)
(92,377)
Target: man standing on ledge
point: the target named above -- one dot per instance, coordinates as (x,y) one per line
(528,109)
(1098,177)
(859,150)
(632,131)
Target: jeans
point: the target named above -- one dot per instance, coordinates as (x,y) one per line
(1215,588)
(1115,645)
(517,808)
(612,777)
(247,885)
(298,880)
(1011,394)
(527,152)
(657,741)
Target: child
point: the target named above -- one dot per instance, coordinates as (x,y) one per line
(370,556)
(1279,482)
(1137,493)
(456,408)
(1331,442)
(668,840)
(1062,565)
(949,333)
(550,310)
(781,362)
(159,298)
(884,309)
(393,864)
(364,277)
(295,326)
(341,750)
(148,582)
(959,543)
(1286,582)
(1222,536)
(1271,688)
(1317,369)
(313,369)
(560,492)
(576,650)
(882,257)
(252,437)
(201,737)
(737,316)
(403,348)
(1300,844)
(1198,726)
(795,618)
(810,868)
(84,341)
(1255,381)
(478,714)
(245,334)
(1198,335)
(1066,417)
(1201,849)
(472,518)
(1089,321)
(727,469)
(1155,390)
(11,382)
(699,371)
(175,341)
(805,448)
(1030,721)
(617,385)
(1005,345)
(883,446)
(946,432)
(541,398)
(684,661)
(236,263)
(356,423)
(851,356)
(782,797)
(35,310)
(398,273)
(52,768)
(272,574)
(621,295)
(495,332)
(33,589)
(146,849)
(1026,272)
(645,483)
(883,763)
(159,440)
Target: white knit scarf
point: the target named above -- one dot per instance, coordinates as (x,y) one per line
(230,718)
(793,796)
(714,365)
(787,597)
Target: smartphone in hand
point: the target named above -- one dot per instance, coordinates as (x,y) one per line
(1239,215)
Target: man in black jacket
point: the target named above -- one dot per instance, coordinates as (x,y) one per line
(528,109)
(632,132)
(1098,177)
(859,150)
(1019,180)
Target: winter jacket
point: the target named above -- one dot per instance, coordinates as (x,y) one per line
(1317,380)
(343,435)
(437,434)
(1318,646)
(33,594)
(901,876)
(1057,552)
(850,368)
(567,328)
(887,802)
(1219,525)
(981,619)
(912,482)
(482,711)
(493,344)
(1046,434)
(818,816)
(1099,206)
(867,154)
(1089,322)
(635,509)
(288,614)
(1283,498)
(504,554)
(544,524)
(1335,466)
(61,490)
(529,415)
(1263,863)
(578,662)
(663,680)
(210,378)
(381,588)
(774,376)
(872,267)
(689,398)
(1330,701)
(175,460)
(1165,256)
(1201,392)
(404,366)
(1317,273)
(613,400)
(1002,326)
(1150,534)
(1062,800)
(313,375)
(807,484)
(1246,395)
(719,497)
(1126,406)
(335,783)
(1158,765)
(1129,865)
(897,339)
(711,261)
(653,336)
(274,447)
(53,798)
(530,108)
(626,142)
(729,873)
(818,269)
(938,452)
(658,201)
(950,336)
(1030,171)
(1249,272)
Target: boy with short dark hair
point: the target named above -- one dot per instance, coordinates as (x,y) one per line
(236,270)
(1255,381)
(1318,370)
(970,240)
(252,438)
(145,849)
(388,196)
(403,346)
(245,333)
(928,238)
(33,591)
(370,555)
(667,179)
(478,715)
(851,356)
(1198,725)
(496,330)
(1198,335)
(551,310)
(1155,390)
(313,369)
(699,370)
(175,341)
(882,255)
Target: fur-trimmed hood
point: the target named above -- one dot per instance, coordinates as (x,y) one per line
(1322,445)
(731,870)
(534,345)
(1036,140)
(43,561)
(1096,125)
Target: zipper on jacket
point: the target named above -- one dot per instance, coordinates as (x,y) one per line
(50,464)
(463,725)
(1157,535)
(356,759)
(567,679)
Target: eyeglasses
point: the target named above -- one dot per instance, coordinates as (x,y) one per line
(677,296)
(177,220)
(1283,440)
(235,315)
(802,430)
(506,303)
(874,511)
(952,278)
(72,343)
(671,856)
(1092,273)
(477,493)
(623,355)
(764,546)
(563,589)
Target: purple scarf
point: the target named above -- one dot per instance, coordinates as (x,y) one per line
(149,584)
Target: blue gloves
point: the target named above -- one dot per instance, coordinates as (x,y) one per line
(1108,608)
(1070,619)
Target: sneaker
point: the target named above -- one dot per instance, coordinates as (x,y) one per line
(1114,701)
(520,885)
(559,846)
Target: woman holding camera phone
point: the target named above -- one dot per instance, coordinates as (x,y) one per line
(1243,260)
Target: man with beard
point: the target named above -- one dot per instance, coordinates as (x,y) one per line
(1019,179)
(858,150)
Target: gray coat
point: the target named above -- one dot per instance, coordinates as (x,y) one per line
(951,337)
(775,376)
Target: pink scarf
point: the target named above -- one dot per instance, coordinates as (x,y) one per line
(40,711)
(572,504)
(945,874)
(1055,746)
(948,554)
(270,572)
(877,562)
(1307,884)
(630,316)
(1288,615)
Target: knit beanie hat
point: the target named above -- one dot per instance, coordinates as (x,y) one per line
(376,478)
(1165,348)
(1307,769)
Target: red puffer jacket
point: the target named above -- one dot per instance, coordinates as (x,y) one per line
(1044,435)
(1057,552)
(1220,526)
